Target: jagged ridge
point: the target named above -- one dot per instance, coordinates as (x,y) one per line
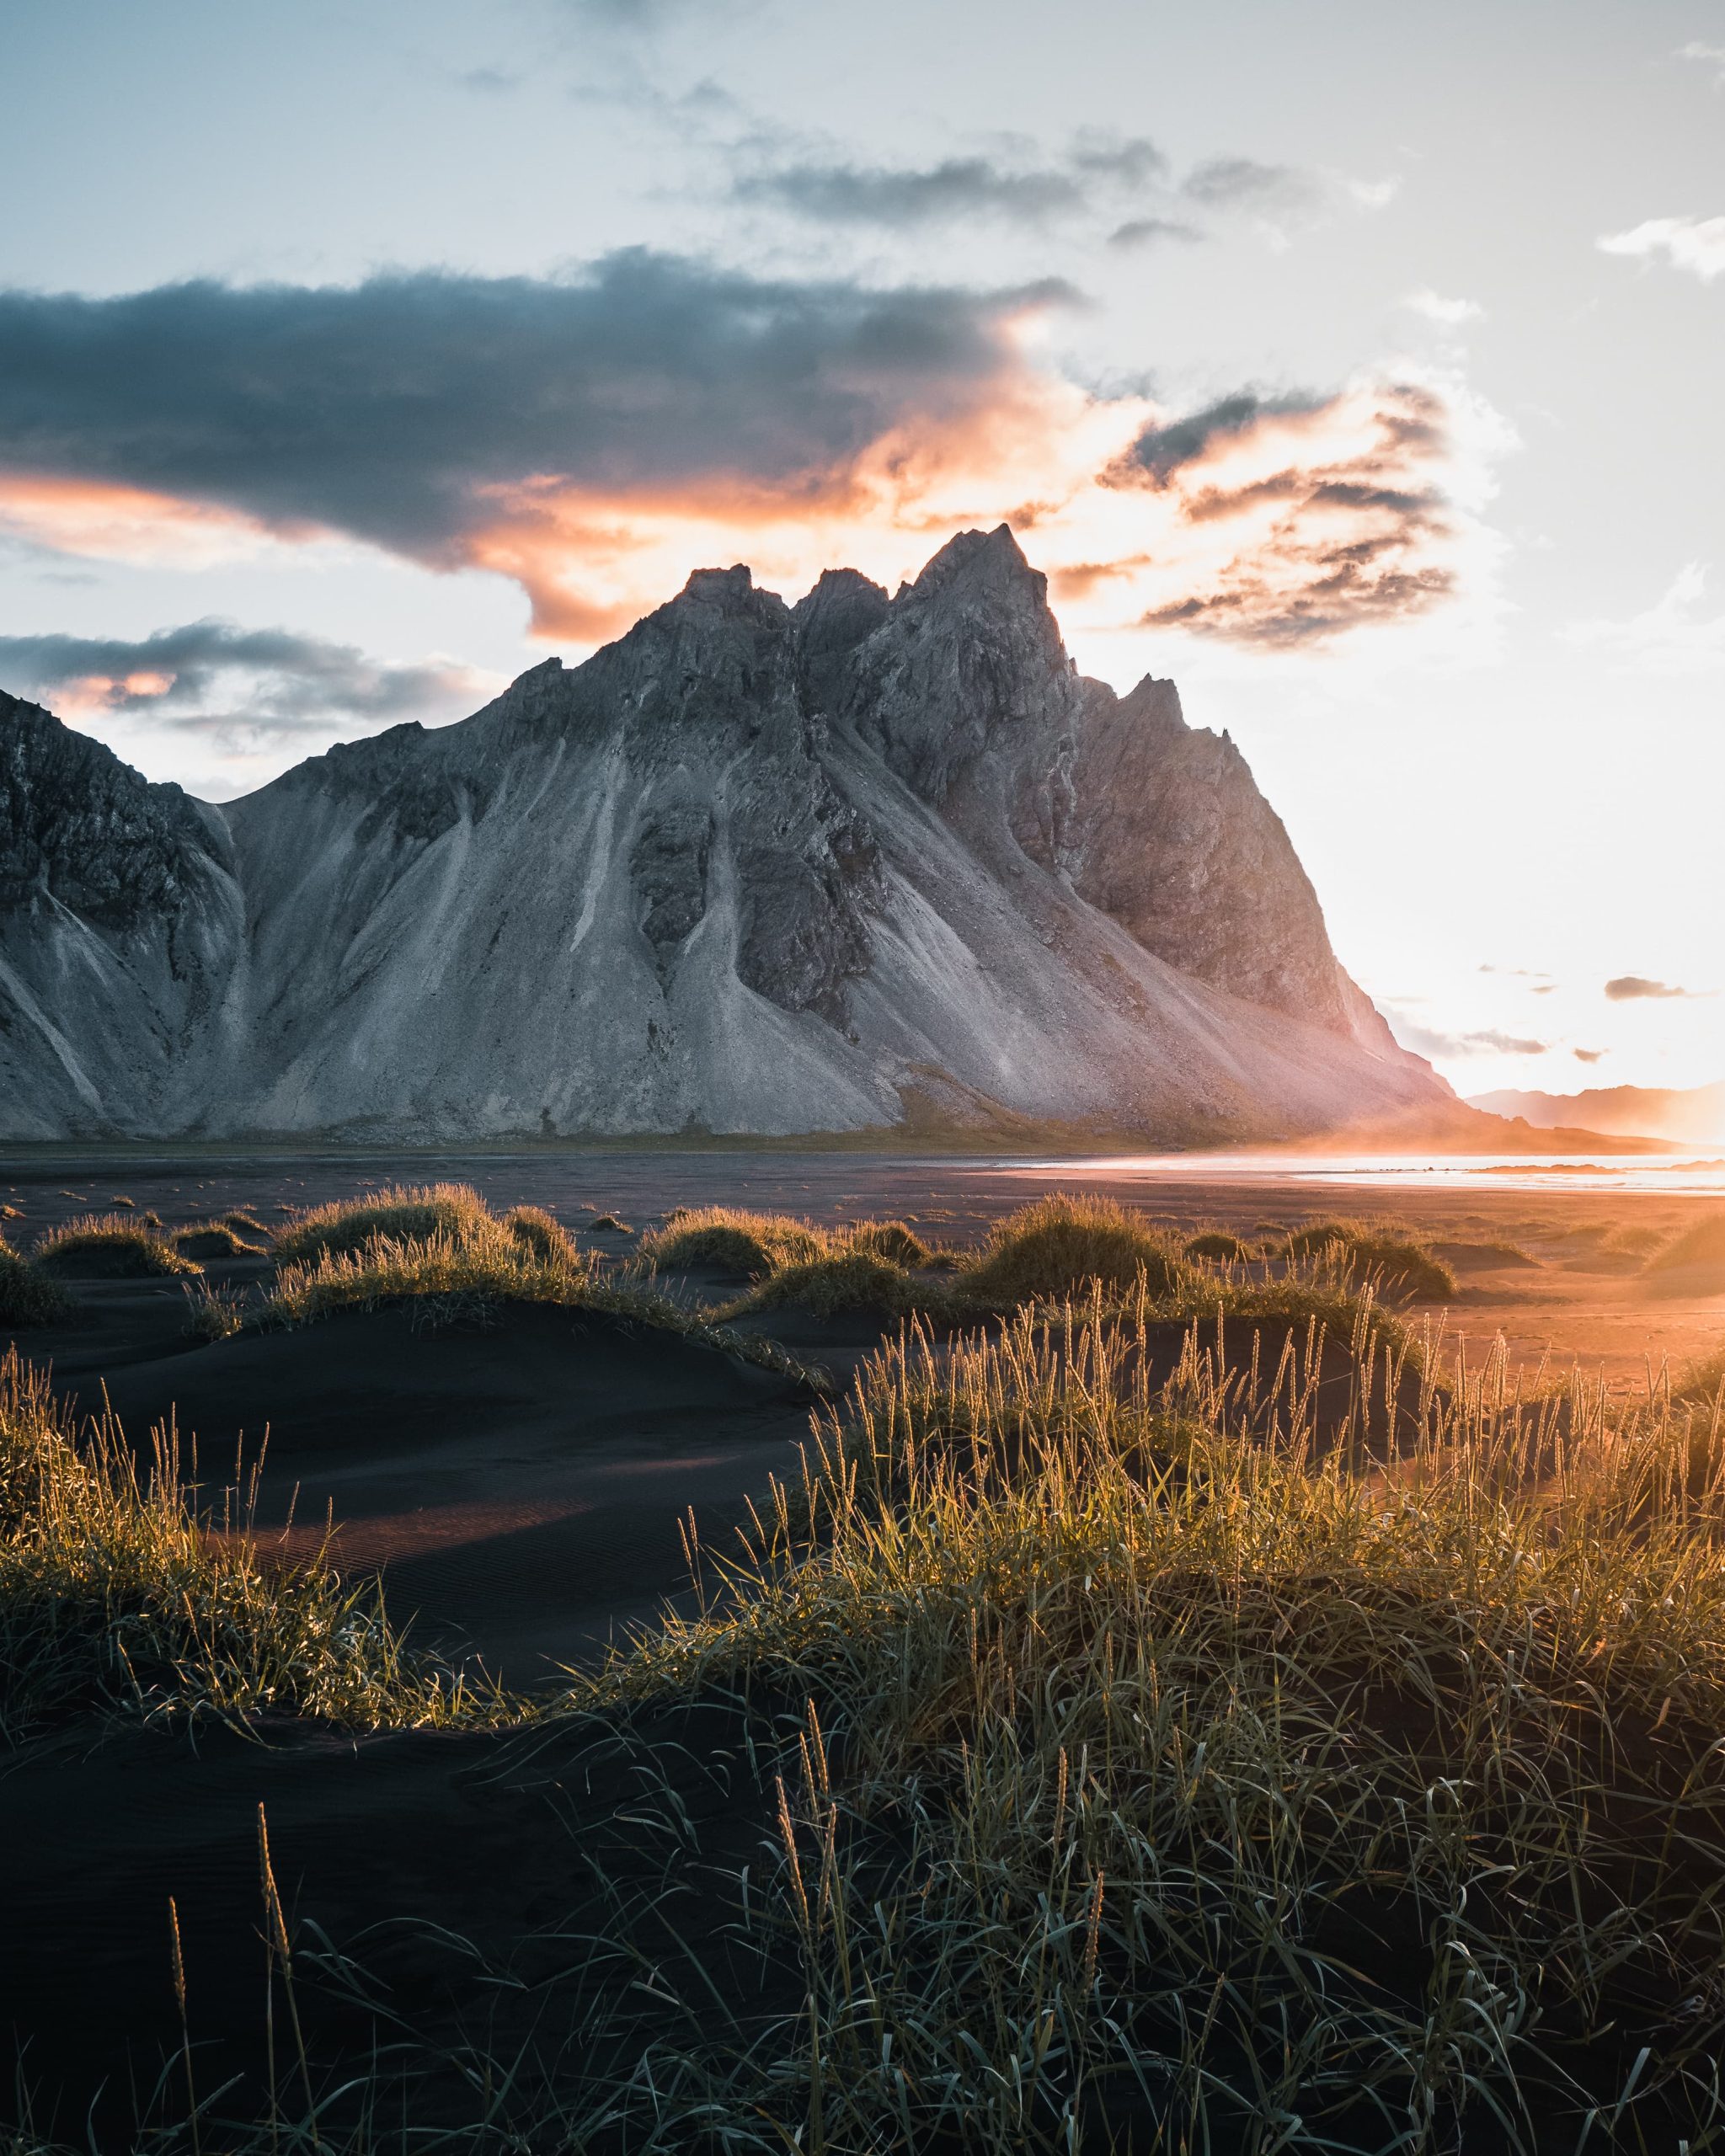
(752,867)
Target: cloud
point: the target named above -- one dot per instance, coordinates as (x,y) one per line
(1589,1054)
(1696,244)
(1670,638)
(214,676)
(1343,497)
(841,194)
(1148,231)
(1277,195)
(433,414)
(1424,1040)
(1162,451)
(1635,988)
(593,437)
(1708,54)
(1243,184)
(903,196)
(1451,314)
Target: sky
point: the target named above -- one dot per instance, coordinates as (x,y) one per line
(1357,366)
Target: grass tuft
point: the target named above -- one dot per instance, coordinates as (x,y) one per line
(110,1247)
(214,1313)
(1703,1244)
(537,1230)
(403,1212)
(114,1594)
(1218,1246)
(1400,1265)
(894,1241)
(212,1239)
(853,1279)
(27,1295)
(731,1240)
(1061,1244)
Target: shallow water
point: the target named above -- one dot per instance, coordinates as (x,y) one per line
(1688,1174)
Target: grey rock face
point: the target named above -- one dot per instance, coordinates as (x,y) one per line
(749,869)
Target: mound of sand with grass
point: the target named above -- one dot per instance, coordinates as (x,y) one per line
(520,1475)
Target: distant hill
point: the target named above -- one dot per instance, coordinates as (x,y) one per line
(1695,1112)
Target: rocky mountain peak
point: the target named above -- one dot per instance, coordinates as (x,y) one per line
(975,562)
(750,867)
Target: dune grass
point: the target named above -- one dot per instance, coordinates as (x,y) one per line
(857,1278)
(894,1241)
(113,1596)
(214,1313)
(110,1247)
(28,1295)
(1160,1785)
(212,1239)
(540,1232)
(1219,1245)
(1701,1244)
(1488,1249)
(402,1213)
(244,1222)
(1399,1264)
(467,1278)
(1061,1243)
(1048,1252)
(731,1240)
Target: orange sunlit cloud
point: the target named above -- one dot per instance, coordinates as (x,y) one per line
(106,521)
(1296,529)
(1288,526)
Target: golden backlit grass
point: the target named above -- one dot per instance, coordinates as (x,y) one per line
(1162,1774)
(1211,1761)
(110,1247)
(730,1239)
(1399,1264)
(212,1239)
(402,1213)
(542,1234)
(114,1597)
(1062,1242)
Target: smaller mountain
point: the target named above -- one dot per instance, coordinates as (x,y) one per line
(1692,1112)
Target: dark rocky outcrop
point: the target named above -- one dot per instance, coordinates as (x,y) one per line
(750,867)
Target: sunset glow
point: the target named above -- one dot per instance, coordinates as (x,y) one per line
(1308,405)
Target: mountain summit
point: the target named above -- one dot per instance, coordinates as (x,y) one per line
(753,868)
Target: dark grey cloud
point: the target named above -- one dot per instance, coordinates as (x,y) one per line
(875,194)
(1159,452)
(1244,183)
(1635,988)
(214,674)
(1151,232)
(840,192)
(395,410)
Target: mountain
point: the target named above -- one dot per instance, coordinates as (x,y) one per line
(1693,1112)
(860,862)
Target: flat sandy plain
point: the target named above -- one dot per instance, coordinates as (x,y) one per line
(521,1490)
